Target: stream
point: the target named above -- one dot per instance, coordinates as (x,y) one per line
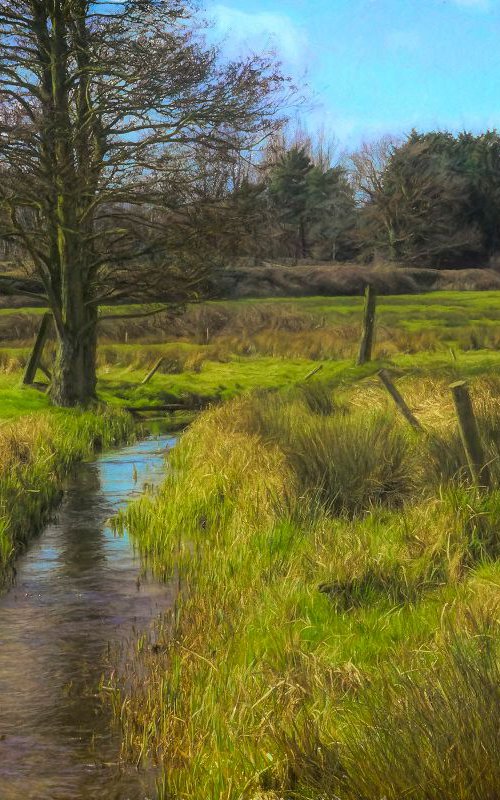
(79,591)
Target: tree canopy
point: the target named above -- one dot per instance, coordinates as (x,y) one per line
(436,200)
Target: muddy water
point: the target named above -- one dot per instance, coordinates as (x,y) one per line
(78,592)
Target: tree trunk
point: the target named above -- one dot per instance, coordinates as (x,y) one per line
(74,374)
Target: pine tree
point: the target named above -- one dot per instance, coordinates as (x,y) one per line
(289,192)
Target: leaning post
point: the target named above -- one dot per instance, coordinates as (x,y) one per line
(367,337)
(153,371)
(313,372)
(36,353)
(469,433)
(399,400)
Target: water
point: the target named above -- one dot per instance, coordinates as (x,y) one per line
(79,589)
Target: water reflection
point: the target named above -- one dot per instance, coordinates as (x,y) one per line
(76,591)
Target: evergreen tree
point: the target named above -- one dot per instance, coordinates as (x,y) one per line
(433,202)
(289,193)
(330,210)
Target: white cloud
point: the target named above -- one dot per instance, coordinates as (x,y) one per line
(243,31)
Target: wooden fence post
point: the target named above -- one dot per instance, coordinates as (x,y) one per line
(36,353)
(399,400)
(469,433)
(366,346)
(153,371)
(313,372)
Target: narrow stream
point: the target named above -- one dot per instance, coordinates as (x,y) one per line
(79,589)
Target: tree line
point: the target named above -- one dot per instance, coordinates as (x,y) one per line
(431,200)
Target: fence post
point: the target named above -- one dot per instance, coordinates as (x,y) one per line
(153,371)
(399,400)
(469,433)
(36,353)
(313,372)
(365,349)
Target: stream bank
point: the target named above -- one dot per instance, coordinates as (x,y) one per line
(37,451)
(79,596)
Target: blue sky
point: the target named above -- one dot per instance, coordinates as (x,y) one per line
(377,67)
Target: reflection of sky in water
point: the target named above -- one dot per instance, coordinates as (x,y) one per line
(115,479)
(116,472)
(122,479)
(78,589)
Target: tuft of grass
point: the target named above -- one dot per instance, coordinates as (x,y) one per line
(318,397)
(429,736)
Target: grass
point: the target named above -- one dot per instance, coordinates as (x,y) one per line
(447,315)
(340,576)
(36,452)
(120,376)
(339,605)
(219,350)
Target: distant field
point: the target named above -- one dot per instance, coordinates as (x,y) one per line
(439,309)
(221,349)
(433,311)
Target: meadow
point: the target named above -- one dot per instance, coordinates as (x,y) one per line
(336,633)
(216,351)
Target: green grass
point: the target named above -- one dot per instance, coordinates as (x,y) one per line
(274,343)
(340,578)
(444,309)
(329,573)
(120,385)
(224,380)
(36,452)
(439,311)
(15,401)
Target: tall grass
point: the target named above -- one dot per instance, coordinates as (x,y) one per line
(429,736)
(36,453)
(313,328)
(318,560)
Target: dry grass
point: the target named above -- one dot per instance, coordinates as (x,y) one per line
(307,629)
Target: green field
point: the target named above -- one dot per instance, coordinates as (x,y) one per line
(336,637)
(271,343)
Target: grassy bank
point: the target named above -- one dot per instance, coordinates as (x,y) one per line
(36,452)
(340,577)
(335,636)
(216,377)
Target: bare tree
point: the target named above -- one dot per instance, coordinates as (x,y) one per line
(99,102)
(367,165)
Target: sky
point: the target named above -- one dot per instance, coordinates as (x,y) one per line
(377,67)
